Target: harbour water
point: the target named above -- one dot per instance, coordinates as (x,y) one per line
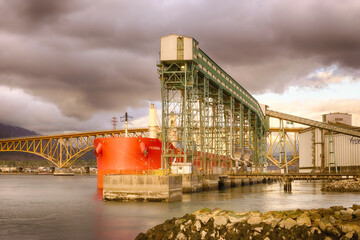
(49,207)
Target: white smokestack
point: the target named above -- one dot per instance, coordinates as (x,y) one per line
(153,127)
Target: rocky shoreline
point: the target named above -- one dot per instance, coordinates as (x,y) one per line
(349,185)
(331,223)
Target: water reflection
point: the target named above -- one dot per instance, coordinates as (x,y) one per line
(98,194)
(47,207)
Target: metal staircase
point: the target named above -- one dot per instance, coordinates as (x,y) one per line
(332,159)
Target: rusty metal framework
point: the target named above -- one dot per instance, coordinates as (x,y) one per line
(63,150)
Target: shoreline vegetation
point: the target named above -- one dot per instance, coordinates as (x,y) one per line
(43,166)
(47,171)
(336,222)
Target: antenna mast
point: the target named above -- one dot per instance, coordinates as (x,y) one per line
(126,118)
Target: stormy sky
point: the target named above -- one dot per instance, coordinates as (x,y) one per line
(73,64)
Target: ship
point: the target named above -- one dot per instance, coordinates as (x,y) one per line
(142,155)
(129,155)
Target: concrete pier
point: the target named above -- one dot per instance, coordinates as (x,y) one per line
(210,182)
(236,182)
(246,181)
(224,182)
(170,188)
(192,183)
(143,188)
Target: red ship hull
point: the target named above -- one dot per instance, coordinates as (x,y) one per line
(126,155)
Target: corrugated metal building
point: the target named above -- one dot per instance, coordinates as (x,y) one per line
(314,148)
(310,150)
(346,150)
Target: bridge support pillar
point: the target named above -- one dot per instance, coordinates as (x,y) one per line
(287,185)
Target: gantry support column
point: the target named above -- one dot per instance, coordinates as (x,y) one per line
(208,118)
(282,157)
(178,97)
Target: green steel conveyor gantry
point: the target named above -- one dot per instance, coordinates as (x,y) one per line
(205,112)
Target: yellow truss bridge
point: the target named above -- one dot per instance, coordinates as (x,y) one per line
(63,150)
(290,137)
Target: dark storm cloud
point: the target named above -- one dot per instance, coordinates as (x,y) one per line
(87,56)
(31,15)
(39,10)
(270,45)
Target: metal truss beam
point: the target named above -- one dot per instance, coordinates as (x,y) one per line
(283,139)
(312,123)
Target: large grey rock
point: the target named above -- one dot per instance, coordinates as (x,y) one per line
(203,218)
(203,234)
(275,222)
(180,236)
(198,225)
(349,235)
(243,214)
(324,223)
(268,220)
(303,221)
(333,232)
(182,227)
(236,218)
(337,208)
(287,223)
(346,217)
(357,213)
(254,220)
(255,214)
(356,206)
(230,227)
(315,223)
(332,219)
(305,214)
(348,211)
(219,221)
(351,227)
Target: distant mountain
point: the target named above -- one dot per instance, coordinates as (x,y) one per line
(7,131)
